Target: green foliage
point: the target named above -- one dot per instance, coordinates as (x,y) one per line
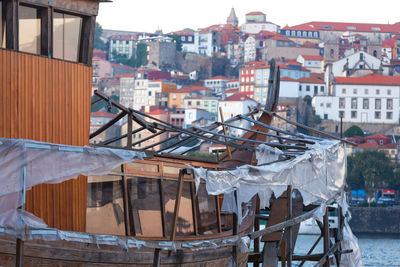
(123,59)
(178,42)
(308,100)
(104,105)
(369,170)
(98,43)
(141,54)
(354,130)
(220,66)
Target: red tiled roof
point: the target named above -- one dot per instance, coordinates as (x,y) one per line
(233,80)
(232,90)
(101,113)
(121,66)
(255,13)
(281,38)
(218,78)
(157,112)
(191,89)
(239,97)
(123,37)
(125,75)
(288,79)
(345,26)
(369,79)
(316,58)
(311,79)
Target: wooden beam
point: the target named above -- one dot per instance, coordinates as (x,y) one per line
(163,216)
(11,7)
(326,236)
(129,133)
(46,33)
(157,258)
(289,241)
(177,203)
(224,129)
(87,40)
(194,207)
(108,124)
(126,202)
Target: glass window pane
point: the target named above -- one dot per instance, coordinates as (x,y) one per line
(66,36)
(105,208)
(29,30)
(145,205)
(208,211)
(185,217)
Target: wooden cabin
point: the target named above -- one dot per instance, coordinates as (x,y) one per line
(45,89)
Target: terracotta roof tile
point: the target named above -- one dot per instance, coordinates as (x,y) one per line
(316,58)
(369,79)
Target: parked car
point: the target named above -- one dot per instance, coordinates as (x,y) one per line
(386,201)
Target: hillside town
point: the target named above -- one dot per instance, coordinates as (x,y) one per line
(334,75)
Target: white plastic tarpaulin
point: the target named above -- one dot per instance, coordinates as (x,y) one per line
(26,163)
(318,174)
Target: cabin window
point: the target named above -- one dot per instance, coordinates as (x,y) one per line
(29,29)
(66,36)
(185,216)
(104,200)
(145,204)
(208,212)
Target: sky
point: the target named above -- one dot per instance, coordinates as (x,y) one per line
(174,15)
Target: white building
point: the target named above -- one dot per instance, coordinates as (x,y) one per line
(209,42)
(313,63)
(127,91)
(194,114)
(368,99)
(250,50)
(218,84)
(234,105)
(256,22)
(311,86)
(358,64)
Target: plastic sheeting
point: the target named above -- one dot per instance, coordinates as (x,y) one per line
(318,174)
(26,163)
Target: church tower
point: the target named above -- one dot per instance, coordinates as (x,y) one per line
(232,19)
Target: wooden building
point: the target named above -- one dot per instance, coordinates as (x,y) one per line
(45,89)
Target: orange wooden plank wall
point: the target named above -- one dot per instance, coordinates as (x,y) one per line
(48,100)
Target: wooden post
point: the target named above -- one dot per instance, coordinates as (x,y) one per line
(224,129)
(129,140)
(177,203)
(156,259)
(326,237)
(126,202)
(19,255)
(194,209)
(235,229)
(11,19)
(289,229)
(256,228)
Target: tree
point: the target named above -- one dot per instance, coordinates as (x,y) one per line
(369,170)
(98,43)
(178,42)
(141,54)
(354,130)
(123,59)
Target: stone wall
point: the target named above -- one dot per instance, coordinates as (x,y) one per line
(377,220)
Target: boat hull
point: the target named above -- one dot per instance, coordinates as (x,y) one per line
(62,253)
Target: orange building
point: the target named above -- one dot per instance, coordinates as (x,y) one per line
(175,98)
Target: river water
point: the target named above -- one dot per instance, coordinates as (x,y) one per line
(376,250)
